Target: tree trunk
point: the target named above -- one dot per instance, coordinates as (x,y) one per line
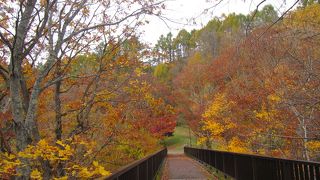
(17,85)
(57,101)
(305,140)
(18,112)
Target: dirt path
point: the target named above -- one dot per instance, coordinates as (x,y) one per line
(179,167)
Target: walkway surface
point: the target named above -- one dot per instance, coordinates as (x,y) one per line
(179,167)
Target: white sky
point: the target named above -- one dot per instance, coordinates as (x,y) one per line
(181,11)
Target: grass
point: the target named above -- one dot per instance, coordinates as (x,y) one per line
(179,139)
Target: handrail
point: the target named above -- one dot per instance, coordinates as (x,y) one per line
(255,155)
(143,169)
(246,166)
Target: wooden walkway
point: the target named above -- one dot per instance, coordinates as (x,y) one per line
(180,167)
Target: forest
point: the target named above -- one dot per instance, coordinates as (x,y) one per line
(81,95)
(250,88)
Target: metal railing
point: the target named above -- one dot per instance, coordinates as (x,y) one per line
(143,169)
(253,167)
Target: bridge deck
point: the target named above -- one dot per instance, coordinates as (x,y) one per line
(182,167)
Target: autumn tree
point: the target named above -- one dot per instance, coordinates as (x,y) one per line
(54,32)
(255,92)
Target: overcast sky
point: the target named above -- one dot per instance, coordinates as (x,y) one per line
(180,11)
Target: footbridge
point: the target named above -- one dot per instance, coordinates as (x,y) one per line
(200,164)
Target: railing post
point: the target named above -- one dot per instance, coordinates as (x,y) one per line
(215,161)
(147,169)
(138,172)
(209,162)
(207,156)
(312,172)
(235,167)
(152,166)
(306,171)
(317,169)
(253,168)
(288,171)
(223,162)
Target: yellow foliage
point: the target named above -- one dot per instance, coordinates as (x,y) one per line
(47,152)
(8,164)
(100,169)
(157,103)
(201,140)
(266,114)
(313,146)
(218,107)
(61,178)
(261,151)
(35,174)
(306,17)
(62,152)
(195,59)
(274,97)
(217,117)
(139,71)
(96,170)
(236,145)
(214,128)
